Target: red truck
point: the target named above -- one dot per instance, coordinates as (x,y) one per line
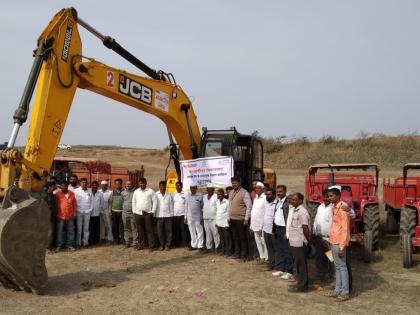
(359,188)
(402,204)
(93,169)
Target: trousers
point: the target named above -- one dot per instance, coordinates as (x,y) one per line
(145,229)
(211,233)
(271,249)
(106,226)
(301,266)
(324,267)
(117,227)
(69,232)
(180,232)
(83,220)
(225,240)
(164,231)
(284,256)
(130,229)
(197,234)
(240,243)
(341,272)
(94,230)
(262,247)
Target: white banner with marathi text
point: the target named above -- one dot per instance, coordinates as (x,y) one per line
(216,170)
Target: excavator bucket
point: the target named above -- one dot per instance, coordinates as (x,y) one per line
(24,238)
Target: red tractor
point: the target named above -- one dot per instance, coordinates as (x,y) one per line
(359,188)
(402,203)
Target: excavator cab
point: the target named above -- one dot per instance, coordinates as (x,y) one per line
(246,150)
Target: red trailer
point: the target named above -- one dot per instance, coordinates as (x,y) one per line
(64,167)
(393,196)
(402,199)
(359,190)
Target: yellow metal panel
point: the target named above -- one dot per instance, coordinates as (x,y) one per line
(161,99)
(54,94)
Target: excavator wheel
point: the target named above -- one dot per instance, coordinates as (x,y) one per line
(24,238)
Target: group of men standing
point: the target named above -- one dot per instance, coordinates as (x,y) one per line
(283,234)
(270,224)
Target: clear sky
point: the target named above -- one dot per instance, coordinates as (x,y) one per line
(304,68)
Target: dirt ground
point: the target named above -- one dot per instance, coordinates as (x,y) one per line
(114,280)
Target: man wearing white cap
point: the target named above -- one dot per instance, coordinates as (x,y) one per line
(209,217)
(257,220)
(106,226)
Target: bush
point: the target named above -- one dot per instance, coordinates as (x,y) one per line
(327,139)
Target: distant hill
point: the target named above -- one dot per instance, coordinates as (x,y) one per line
(387,151)
(390,152)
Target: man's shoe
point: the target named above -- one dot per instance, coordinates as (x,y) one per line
(286,276)
(295,289)
(162,248)
(71,249)
(278,273)
(342,297)
(167,248)
(127,246)
(57,249)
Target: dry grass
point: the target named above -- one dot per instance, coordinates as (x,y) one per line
(389,152)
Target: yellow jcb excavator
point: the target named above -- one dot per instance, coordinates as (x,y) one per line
(58,70)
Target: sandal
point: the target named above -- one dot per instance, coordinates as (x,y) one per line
(332,294)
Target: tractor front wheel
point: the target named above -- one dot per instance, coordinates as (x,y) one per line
(407,228)
(407,250)
(371,230)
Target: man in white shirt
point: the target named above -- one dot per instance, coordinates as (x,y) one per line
(98,204)
(257,220)
(180,229)
(84,208)
(164,214)
(209,216)
(193,217)
(222,223)
(144,207)
(73,183)
(106,225)
(321,230)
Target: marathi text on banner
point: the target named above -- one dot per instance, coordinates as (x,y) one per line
(216,171)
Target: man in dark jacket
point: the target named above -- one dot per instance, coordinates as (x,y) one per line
(284,257)
(50,199)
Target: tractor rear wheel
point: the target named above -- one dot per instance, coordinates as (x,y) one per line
(371,230)
(312,207)
(408,222)
(391,221)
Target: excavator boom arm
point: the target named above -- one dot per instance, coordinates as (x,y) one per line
(64,70)
(57,72)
